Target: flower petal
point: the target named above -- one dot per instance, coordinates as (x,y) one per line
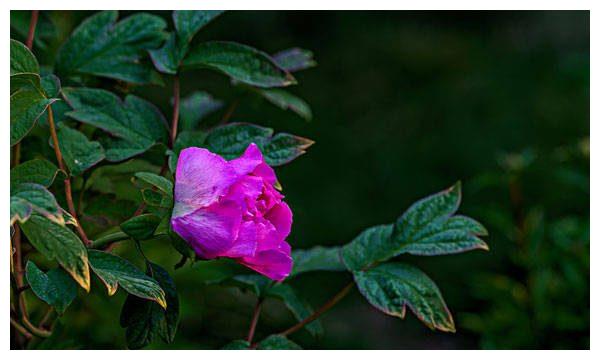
(280,216)
(250,159)
(275,264)
(210,231)
(246,242)
(201,177)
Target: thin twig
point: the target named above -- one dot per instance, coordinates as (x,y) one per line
(254,320)
(229,112)
(61,165)
(175,119)
(20,329)
(32,25)
(334,300)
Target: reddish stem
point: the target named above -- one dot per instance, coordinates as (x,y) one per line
(254,321)
(175,120)
(32,25)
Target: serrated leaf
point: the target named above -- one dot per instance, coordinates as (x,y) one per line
(299,308)
(26,106)
(286,101)
(240,62)
(318,258)
(28,198)
(78,151)
(187,23)
(237,345)
(295,59)
(54,287)
(102,46)
(59,243)
(141,227)
(278,342)
(144,320)
(391,287)
(231,140)
(115,271)
(428,227)
(135,123)
(195,107)
(38,171)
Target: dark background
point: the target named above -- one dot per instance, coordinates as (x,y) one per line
(405,104)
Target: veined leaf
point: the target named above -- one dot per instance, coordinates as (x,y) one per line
(28,198)
(299,308)
(38,171)
(51,85)
(21,59)
(240,62)
(295,59)
(54,287)
(58,242)
(163,184)
(115,271)
(135,123)
(393,286)
(318,258)
(278,342)
(141,227)
(237,345)
(26,106)
(102,46)
(286,101)
(230,141)
(187,23)
(78,151)
(144,320)
(428,227)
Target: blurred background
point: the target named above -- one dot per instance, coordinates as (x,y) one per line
(404,104)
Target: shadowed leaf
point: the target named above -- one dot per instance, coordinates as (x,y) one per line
(54,287)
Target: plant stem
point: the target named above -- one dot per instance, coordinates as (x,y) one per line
(334,300)
(20,329)
(107,240)
(32,24)
(229,112)
(175,119)
(254,321)
(61,165)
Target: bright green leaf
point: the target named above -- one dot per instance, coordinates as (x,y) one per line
(136,123)
(144,320)
(78,151)
(287,101)
(115,271)
(58,242)
(141,227)
(39,171)
(54,287)
(393,286)
(294,59)
(278,342)
(240,62)
(102,46)
(318,258)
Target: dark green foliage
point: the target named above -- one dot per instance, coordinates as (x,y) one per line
(141,227)
(54,287)
(38,171)
(78,151)
(317,259)
(277,342)
(27,198)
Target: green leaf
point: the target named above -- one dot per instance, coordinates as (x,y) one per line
(237,345)
(115,271)
(51,86)
(162,198)
(135,123)
(318,258)
(240,62)
(287,101)
(187,23)
(102,46)
(299,308)
(78,151)
(184,140)
(22,59)
(393,286)
(161,183)
(428,227)
(256,283)
(230,141)
(180,244)
(144,320)
(141,227)
(294,59)
(278,342)
(194,108)
(58,242)
(54,287)
(28,198)
(26,106)
(39,171)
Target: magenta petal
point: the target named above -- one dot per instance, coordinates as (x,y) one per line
(249,160)
(210,231)
(280,216)
(200,179)
(246,242)
(274,264)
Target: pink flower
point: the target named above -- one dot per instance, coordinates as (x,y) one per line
(231,209)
